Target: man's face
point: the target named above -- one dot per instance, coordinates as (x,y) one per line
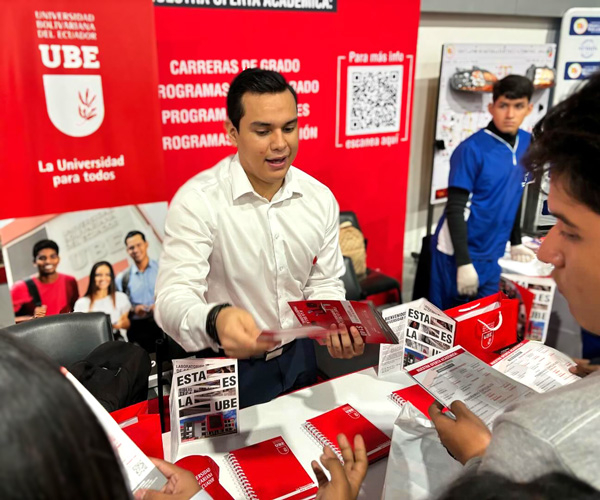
(572,247)
(508,114)
(267,139)
(137,248)
(46,262)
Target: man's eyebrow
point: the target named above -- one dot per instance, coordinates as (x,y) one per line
(565,220)
(293,121)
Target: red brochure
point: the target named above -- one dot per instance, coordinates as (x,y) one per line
(270,471)
(362,315)
(346,420)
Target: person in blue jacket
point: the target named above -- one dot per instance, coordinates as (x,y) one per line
(485,189)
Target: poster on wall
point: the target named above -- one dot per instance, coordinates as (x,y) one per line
(80,125)
(83,239)
(467,75)
(352,69)
(579,50)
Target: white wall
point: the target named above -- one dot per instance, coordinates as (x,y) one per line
(434,31)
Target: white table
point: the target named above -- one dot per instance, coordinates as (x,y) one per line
(285,415)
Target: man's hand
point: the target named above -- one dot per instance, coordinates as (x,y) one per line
(467,280)
(238,332)
(345,480)
(140,310)
(521,253)
(40,312)
(341,345)
(181,484)
(466,437)
(583,367)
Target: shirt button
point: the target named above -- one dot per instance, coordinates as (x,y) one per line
(281,268)
(276,235)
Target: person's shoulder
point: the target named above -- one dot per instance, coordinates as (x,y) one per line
(205,181)
(555,414)
(67,278)
(121,297)
(309,183)
(524,136)
(82,304)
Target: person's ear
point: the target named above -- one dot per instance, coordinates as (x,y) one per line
(491,107)
(529,108)
(232,132)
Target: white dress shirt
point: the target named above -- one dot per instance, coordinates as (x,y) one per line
(226,243)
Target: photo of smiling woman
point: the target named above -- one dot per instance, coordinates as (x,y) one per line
(102,296)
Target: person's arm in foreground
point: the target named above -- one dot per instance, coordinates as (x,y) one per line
(466,437)
(345,479)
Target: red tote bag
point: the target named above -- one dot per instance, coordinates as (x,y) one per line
(485,327)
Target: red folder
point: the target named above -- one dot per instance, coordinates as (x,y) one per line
(346,420)
(269,471)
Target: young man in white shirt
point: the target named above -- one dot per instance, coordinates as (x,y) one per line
(247,236)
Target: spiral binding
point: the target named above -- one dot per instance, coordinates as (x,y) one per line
(318,437)
(399,400)
(242,481)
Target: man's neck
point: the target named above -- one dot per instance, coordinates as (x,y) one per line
(510,138)
(142,265)
(263,189)
(48,278)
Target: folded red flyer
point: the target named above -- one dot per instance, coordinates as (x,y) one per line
(362,315)
(346,420)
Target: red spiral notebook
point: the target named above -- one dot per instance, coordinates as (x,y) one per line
(270,471)
(416,395)
(346,420)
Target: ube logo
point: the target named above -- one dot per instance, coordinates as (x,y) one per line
(487,332)
(75,102)
(281,447)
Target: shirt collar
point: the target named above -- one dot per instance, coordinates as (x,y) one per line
(151,264)
(240,184)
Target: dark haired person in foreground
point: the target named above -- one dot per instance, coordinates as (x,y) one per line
(490,486)
(48,293)
(485,187)
(54,448)
(247,236)
(558,431)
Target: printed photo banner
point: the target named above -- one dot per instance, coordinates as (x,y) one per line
(80,125)
(352,68)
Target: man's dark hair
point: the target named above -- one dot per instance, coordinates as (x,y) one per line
(513,87)
(43,244)
(131,234)
(566,142)
(253,81)
(491,486)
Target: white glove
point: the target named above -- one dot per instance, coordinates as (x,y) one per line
(467,280)
(521,253)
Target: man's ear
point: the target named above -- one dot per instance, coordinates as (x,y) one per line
(490,107)
(529,108)
(232,132)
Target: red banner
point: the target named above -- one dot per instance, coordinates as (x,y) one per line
(79,123)
(352,64)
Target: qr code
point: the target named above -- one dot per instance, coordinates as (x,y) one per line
(373,99)
(139,468)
